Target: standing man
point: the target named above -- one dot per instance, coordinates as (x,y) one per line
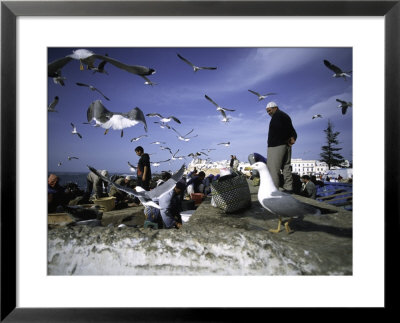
(281,137)
(143,170)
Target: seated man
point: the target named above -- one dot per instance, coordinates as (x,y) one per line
(171,207)
(123,197)
(195,184)
(308,188)
(55,194)
(93,181)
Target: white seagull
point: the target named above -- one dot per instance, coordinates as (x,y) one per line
(195,68)
(163,119)
(344,105)
(184,137)
(115,120)
(132,168)
(51,107)
(59,80)
(337,70)
(72,157)
(93,89)
(220,109)
(158,163)
(317,116)
(74,132)
(163,125)
(147,198)
(158,142)
(261,97)
(137,138)
(279,203)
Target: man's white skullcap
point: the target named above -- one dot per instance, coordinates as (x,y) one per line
(104,173)
(272,104)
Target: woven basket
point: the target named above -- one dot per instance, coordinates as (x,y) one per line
(232,194)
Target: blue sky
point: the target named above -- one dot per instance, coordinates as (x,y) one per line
(304,87)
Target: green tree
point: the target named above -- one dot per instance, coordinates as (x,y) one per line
(329,153)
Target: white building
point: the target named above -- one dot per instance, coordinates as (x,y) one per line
(312,167)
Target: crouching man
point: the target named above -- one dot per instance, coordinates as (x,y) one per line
(169,216)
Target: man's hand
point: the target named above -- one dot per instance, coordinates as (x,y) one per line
(291,141)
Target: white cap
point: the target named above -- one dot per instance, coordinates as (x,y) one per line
(128,178)
(272,104)
(104,173)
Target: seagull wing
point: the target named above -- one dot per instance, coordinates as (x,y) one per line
(209,99)
(254,92)
(332,67)
(341,101)
(82,84)
(159,191)
(185,60)
(188,133)
(54,103)
(102,94)
(175,119)
(134,69)
(54,67)
(137,115)
(98,112)
(344,109)
(207,68)
(225,109)
(154,115)
(223,113)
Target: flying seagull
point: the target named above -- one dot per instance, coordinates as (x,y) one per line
(72,157)
(344,105)
(88,58)
(163,125)
(208,149)
(317,116)
(51,107)
(115,120)
(146,197)
(59,164)
(74,132)
(227,144)
(337,70)
(195,68)
(158,142)
(158,163)
(93,89)
(282,204)
(59,80)
(220,109)
(196,154)
(261,97)
(163,119)
(137,138)
(184,137)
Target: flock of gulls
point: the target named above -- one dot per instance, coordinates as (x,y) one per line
(97,115)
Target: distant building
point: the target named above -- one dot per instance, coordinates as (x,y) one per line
(312,167)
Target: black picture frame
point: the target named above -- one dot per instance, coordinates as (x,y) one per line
(10,10)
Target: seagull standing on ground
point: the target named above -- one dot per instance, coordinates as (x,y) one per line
(93,89)
(195,68)
(53,104)
(115,120)
(344,105)
(337,70)
(261,97)
(74,132)
(279,203)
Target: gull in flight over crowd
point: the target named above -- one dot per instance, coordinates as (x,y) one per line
(184,137)
(344,105)
(51,107)
(220,109)
(226,144)
(137,138)
(317,116)
(115,120)
(163,119)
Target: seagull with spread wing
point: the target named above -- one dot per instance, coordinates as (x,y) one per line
(184,137)
(92,88)
(220,109)
(51,107)
(337,70)
(344,105)
(316,116)
(115,120)
(195,68)
(163,119)
(261,97)
(74,131)
(137,138)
